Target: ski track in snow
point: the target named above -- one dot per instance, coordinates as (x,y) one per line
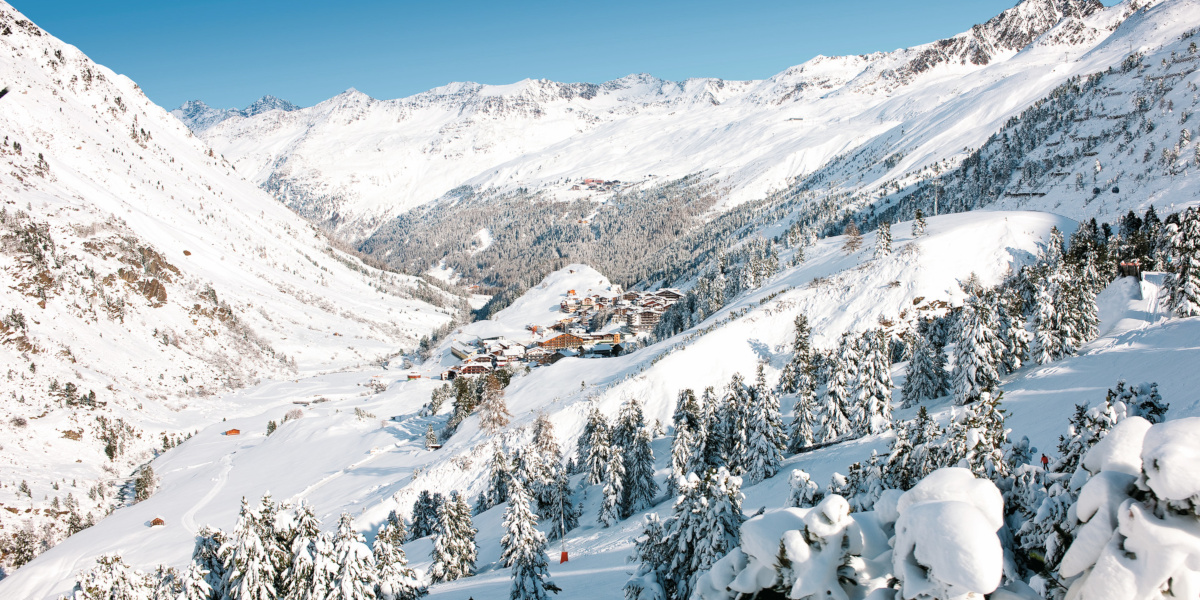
(189,517)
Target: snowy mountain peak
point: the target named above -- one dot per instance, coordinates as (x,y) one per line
(267,103)
(199,116)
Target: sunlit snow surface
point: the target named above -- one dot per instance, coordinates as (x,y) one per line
(337,461)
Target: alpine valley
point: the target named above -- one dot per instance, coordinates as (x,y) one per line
(918,324)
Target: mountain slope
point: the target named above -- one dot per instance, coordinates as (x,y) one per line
(354,162)
(366,466)
(1116,137)
(142,276)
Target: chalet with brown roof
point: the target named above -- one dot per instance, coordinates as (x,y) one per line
(475,369)
(233,432)
(566,340)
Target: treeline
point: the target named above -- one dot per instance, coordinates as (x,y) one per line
(961,510)
(274,551)
(533,235)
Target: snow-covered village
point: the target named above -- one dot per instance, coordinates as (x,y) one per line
(882,301)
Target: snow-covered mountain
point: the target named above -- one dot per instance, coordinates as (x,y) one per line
(345,461)
(151,291)
(144,281)
(354,162)
(199,116)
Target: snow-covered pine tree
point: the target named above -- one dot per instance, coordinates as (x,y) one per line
(249,572)
(396,522)
(436,400)
(1048,344)
(273,537)
(764,435)
(549,465)
(145,484)
(688,413)
(320,584)
(804,491)
(560,512)
(1055,249)
(1142,400)
(639,489)
(431,438)
(875,384)
(798,373)
(356,577)
(500,472)
(1013,335)
(978,438)
(165,584)
(835,414)
(425,513)
(614,481)
(395,580)
(687,446)
(527,467)
(1079,304)
(798,257)
(737,404)
(454,548)
(493,410)
(705,525)
(595,422)
(466,398)
(194,583)
(977,350)
(523,548)
(207,556)
(111,578)
(923,438)
(310,569)
(1183,285)
(693,417)
(863,483)
(926,373)
(600,454)
(883,240)
(630,420)
(683,454)
(715,429)
(918,226)
(305,524)
(650,581)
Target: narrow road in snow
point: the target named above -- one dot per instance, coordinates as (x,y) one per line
(189,517)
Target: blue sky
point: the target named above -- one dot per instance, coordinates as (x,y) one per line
(229,53)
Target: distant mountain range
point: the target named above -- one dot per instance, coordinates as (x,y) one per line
(354,163)
(199,116)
